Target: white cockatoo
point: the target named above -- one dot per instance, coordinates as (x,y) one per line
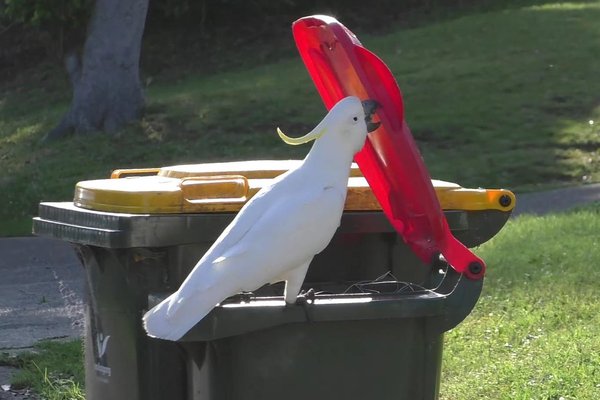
(276,234)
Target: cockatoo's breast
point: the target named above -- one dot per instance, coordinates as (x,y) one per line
(299,225)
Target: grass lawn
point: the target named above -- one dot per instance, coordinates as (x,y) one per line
(505,98)
(54,371)
(534,335)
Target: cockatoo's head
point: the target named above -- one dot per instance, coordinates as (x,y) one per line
(347,123)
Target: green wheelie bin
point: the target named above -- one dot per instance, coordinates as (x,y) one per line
(371,327)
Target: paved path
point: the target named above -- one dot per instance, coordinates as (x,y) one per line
(41,297)
(556,200)
(41,289)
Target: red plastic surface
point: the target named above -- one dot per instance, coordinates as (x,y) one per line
(390,161)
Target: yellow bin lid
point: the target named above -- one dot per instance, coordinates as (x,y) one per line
(225,187)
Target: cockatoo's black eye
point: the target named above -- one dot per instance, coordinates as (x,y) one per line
(355,119)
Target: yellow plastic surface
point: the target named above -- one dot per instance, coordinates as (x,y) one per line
(124,173)
(256,169)
(225,187)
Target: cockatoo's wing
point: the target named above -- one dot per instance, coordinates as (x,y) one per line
(247,216)
(293,229)
(290,231)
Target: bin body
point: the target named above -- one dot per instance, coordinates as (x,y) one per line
(120,361)
(353,340)
(390,348)
(379,359)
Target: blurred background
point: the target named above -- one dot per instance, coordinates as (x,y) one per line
(497,93)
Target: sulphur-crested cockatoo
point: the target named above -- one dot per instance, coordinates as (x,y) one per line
(276,234)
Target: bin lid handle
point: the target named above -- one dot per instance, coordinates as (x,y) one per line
(198,190)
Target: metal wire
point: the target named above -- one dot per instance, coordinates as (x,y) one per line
(385,284)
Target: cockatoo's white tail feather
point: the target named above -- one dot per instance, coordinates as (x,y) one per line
(174,304)
(156,322)
(172,319)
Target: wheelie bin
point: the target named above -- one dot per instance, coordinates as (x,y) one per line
(372,327)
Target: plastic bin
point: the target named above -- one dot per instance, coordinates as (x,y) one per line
(360,337)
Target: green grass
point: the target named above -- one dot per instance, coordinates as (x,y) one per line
(54,370)
(495,99)
(535,333)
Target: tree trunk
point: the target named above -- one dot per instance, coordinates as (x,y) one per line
(106,85)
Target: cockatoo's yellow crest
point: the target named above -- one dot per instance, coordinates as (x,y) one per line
(313,135)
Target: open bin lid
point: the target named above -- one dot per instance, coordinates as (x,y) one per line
(341,66)
(225,187)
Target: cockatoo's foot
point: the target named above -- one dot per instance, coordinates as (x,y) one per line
(242,297)
(246,297)
(293,282)
(306,296)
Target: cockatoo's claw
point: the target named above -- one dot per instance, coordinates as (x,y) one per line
(242,297)
(301,301)
(306,296)
(246,297)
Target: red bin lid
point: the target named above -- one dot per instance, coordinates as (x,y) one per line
(341,66)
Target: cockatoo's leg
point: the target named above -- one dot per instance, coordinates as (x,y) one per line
(293,282)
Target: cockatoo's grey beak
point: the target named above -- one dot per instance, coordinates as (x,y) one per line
(369,107)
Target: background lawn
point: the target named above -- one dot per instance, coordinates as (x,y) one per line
(503,98)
